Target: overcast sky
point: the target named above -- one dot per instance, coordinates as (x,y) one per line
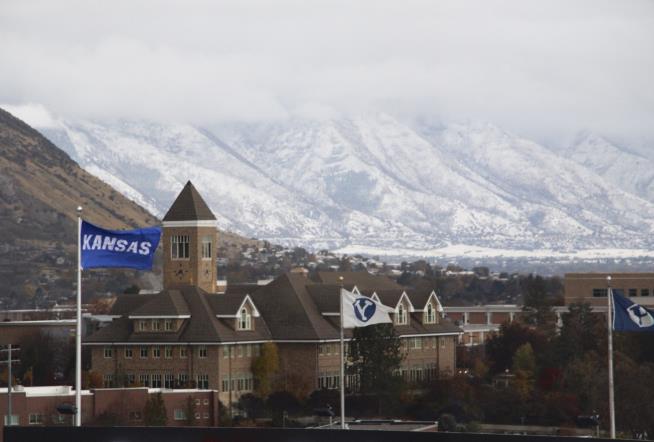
(540,68)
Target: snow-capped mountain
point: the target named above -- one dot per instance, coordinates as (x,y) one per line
(369,181)
(627,170)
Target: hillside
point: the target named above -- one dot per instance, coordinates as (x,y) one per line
(40,188)
(371,182)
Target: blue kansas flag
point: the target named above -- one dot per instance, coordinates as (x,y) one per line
(628,316)
(118,248)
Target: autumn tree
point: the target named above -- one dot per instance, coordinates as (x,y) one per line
(264,368)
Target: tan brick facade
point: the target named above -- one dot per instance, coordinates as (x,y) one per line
(194,270)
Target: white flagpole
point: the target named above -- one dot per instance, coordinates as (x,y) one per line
(610,327)
(78,334)
(342,361)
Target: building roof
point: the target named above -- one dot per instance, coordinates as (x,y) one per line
(167,303)
(291,308)
(362,280)
(189,206)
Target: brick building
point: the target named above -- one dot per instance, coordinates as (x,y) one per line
(592,287)
(191,335)
(38,406)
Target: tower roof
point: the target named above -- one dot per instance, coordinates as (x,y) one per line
(189,206)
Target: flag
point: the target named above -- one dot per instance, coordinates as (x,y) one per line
(118,248)
(629,316)
(361,311)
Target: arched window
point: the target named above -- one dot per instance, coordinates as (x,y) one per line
(430,314)
(244,320)
(402,317)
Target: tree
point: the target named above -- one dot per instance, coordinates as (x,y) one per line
(190,410)
(154,413)
(376,354)
(582,331)
(501,347)
(252,406)
(538,311)
(264,368)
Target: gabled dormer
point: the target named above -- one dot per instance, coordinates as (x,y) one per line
(243,316)
(433,310)
(403,310)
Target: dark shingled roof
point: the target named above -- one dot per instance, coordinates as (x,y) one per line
(226,303)
(189,206)
(125,304)
(167,303)
(362,280)
(291,308)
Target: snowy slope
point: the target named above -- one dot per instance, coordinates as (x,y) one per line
(629,171)
(372,181)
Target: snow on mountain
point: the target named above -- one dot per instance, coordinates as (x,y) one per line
(372,181)
(629,171)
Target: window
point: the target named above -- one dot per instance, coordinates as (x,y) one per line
(206,415)
(108,381)
(156,352)
(225,384)
(633,292)
(179,247)
(239,351)
(144,352)
(244,320)
(144,380)
(430,314)
(248,351)
(156,325)
(169,380)
(442,343)
(36,419)
(183,379)
(168,352)
(205,402)
(402,317)
(416,343)
(168,325)
(203,381)
(142,325)
(131,379)
(256,350)
(644,292)
(108,352)
(156,381)
(197,416)
(329,380)
(206,247)
(197,402)
(180,414)
(128,352)
(599,293)
(14,419)
(225,352)
(183,352)
(202,351)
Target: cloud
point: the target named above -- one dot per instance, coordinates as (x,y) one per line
(543,69)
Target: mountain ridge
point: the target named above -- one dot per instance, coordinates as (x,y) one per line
(371,180)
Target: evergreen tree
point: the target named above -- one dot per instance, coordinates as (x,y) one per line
(538,309)
(154,413)
(376,354)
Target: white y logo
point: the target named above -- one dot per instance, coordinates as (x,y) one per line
(361,305)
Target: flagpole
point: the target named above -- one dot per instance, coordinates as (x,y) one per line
(78,334)
(342,359)
(610,327)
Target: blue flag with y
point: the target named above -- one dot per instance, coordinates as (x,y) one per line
(629,316)
(102,248)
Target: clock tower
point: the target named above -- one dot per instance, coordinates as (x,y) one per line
(189,242)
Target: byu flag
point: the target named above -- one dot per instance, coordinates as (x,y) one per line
(361,311)
(628,316)
(118,248)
